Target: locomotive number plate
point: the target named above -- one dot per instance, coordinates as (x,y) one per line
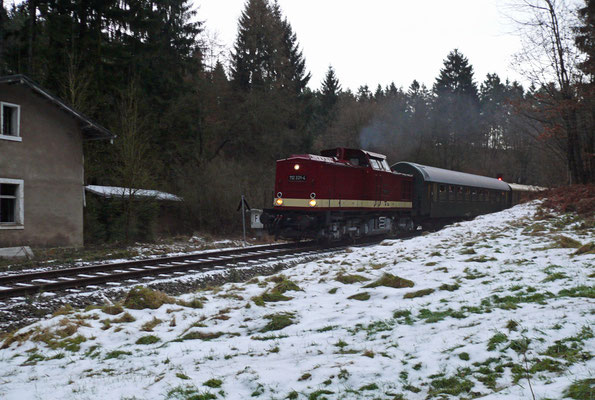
(297,178)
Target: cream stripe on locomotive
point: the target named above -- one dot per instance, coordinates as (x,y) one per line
(333,203)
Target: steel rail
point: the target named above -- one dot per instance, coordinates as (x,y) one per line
(166,265)
(89,269)
(71,278)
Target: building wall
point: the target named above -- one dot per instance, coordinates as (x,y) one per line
(49,160)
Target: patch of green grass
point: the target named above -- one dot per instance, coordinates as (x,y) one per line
(333,290)
(350,279)
(481,259)
(565,242)
(512,325)
(200,336)
(450,288)
(188,393)
(581,390)
(270,297)
(112,309)
(371,386)
(464,356)
(285,286)
(278,321)
(269,337)
(579,291)
(435,316)
(510,302)
(117,354)
(149,325)
(368,353)
(317,395)
(33,359)
(419,293)
(149,339)
(305,377)
(546,364)
(124,318)
(389,280)
(193,303)
(373,328)
(213,383)
(571,348)
(468,251)
(496,340)
(473,274)
(431,264)
(140,298)
(555,276)
(588,248)
(360,296)
(276,294)
(182,376)
(63,310)
(453,385)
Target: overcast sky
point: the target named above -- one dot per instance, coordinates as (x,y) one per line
(384,41)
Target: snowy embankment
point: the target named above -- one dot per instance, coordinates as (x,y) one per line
(494,307)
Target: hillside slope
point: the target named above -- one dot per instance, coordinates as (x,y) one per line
(491,308)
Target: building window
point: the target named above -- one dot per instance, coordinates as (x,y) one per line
(11,204)
(10,121)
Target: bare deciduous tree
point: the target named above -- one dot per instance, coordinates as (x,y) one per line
(549,59)
(132,152)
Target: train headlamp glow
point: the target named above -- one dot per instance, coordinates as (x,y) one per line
(296,167)
(279,201)
(313,203)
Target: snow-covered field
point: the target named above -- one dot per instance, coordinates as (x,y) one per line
(499,306)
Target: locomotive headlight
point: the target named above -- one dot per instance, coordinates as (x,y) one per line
(313,203)
(296,167)
(279,201)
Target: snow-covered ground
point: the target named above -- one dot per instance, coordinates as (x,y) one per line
(499,307)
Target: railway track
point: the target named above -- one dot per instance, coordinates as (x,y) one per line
(97,274)
(130,272)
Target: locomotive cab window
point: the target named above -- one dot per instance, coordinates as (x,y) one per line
(375,165)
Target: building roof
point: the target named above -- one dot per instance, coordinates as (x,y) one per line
(90,129)
(115,191)
(439,175)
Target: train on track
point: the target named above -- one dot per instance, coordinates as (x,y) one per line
(351,193)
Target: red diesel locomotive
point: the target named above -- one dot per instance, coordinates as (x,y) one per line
(341,193)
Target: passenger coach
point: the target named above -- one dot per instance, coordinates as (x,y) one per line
(441,196)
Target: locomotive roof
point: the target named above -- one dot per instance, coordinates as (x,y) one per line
(440,175)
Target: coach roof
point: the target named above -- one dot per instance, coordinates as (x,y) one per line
(439,175)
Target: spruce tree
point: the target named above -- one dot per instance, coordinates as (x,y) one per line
(330,90)
(457,110)
(585,38)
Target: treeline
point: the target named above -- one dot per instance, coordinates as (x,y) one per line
(210,134)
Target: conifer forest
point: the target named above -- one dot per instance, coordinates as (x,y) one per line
(207,123)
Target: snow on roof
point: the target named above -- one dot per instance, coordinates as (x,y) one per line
(114,191)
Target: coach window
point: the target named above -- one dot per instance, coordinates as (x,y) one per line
(9,121)
(11,204)
(442,193)
(375,165)
(451,193)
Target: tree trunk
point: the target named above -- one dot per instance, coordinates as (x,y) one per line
(32,6)
(1,37)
